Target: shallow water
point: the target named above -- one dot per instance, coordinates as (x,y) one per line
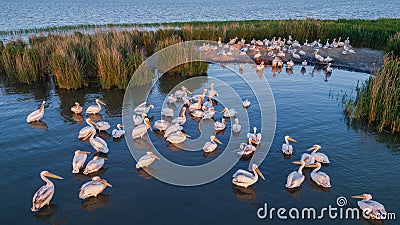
(23,14)
(308,109)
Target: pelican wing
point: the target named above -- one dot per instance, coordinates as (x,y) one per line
(294,179)
(144,161)
(321,178)
(77,162)
(34,116)
(139,131)
(137,120)
(93,166)
(99,144)
(93,109)
(117,133)
(242,172)
(42,197)
(91,188)
(85,132)
(209,146)
(320,157)
(377,209)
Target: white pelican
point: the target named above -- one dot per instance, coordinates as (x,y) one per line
(290,64)
(178,137)
(86,131)
(229,112)
(196,105)
(329,68)
(181,93)
(93,187)
(244,178)
(167,112)
(246,149)
(246,103)
(117,133)
(254,138)
(218,126)
(328,59)
(197,113)
(212,93)
(102,125)
(319,157)
(236,127)
(375,209)
(181,119)
(296,178)
(172,129)
(275,62)
(321,178)
(161,124)
(208,104)
(79,160)
(171,98)
(76,108)
(138,119)
(304,63)
(196,98)
(146,160)
(258,55)
(93,109)
(208,114)
(286,147)
(45,193)
(36,115)
(141,129)
(210,146)
(295,55)
(260,67)
(318,56)
(94,165)
(98,143)
(143,109)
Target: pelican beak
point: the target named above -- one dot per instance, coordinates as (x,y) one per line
(297,162)
(218,141)
(358,196)
(259,173)
(311,166)
(185,134)
(84,152)
(154,156)
(106,183)
(291,139)
(102,102)
(224,110)
(148,125)
(312,148)
(53,176)
(121,126)
(188,91)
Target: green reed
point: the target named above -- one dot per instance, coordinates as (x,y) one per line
(393,44)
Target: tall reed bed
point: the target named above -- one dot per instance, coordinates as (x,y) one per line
(394,44)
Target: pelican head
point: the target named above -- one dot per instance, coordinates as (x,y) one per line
(182,134)
(255,129)
(147,122)
(236,120)
(224,110)
(76,104)
(288,138)
(48,174)
(98,101)
(98,179)
(213,138)
(204,91)
(315,147)
(363,196)
(42,106)
(256,170)
(152,155)
(212,86)
(79,152)
(223,121)
(120,126)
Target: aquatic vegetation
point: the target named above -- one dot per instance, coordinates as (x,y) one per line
(393,44)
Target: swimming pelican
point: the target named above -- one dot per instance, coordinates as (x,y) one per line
(141,129)
(329,68)
(260,67)
(208,114)
(181,119)
(246,103)
(93,187)
(304,63)
(236,127)
(86,131)
(296,178)
(167,112)
(171,99)
(375,209)
(196,98)
(210,146)
(244,178)
(146,160)
(102,125)
(218,126)
(321,178)
(138,119)
(44,195)
(98,143)
(117,133)
(172,129)
(254,138)
(246,149)
(212,93)
(93,109)
(286,147)
(76,108)
(196,105)
(319,157)
(208,105)
(197,113)
(94,165)
(290,64)
(181,93)
(161,125)
(178,137)
(275,62)
(229,112)
(36,115)
(79,160)
(318,56)
(295,55)
(143,109)
(258,55)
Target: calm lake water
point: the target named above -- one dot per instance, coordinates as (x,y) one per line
(307,108)
(22,14)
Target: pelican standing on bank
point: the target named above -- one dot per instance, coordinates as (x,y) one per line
(44,195)
(244,178)
(321,178)
(94,109)
(287,148)
(117,133)
(76,108)
(98,143)
(36,115)
(93,187)
(141,129)
(79,160)
(85,132)
(146,160)
(94,165)
(211,145)
(318,157)
(376,210)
